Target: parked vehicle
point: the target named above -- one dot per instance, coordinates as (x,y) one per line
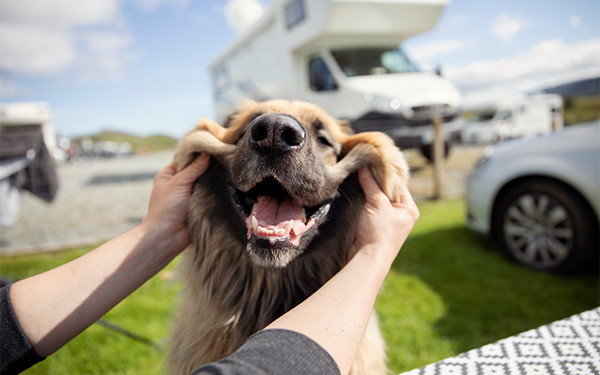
(540,198)
(526,117)
(343,56)
(27,156)
(29,117)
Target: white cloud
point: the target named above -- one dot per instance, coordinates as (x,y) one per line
(89,38)
(551,62)
(428,51)
(241,14)
(574,21)
(506,27)
(10,89)
(104,55)
(28,50)
(61,14)
(150,5)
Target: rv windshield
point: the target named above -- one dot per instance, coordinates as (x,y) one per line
(362,62)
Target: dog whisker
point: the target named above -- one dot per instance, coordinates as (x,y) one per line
(342,192)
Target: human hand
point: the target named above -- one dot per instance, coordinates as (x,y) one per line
(169,202)
(382,226)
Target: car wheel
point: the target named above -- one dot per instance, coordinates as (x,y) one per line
(545,225)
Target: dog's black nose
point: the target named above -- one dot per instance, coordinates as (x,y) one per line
(276,132)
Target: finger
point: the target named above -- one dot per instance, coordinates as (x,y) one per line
(368,183)
(407,197)
(407,201)
(166,173)
(195,169)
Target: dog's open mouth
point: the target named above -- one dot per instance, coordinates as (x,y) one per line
(274,218)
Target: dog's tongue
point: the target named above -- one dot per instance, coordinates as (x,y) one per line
(271,211)
(273,219)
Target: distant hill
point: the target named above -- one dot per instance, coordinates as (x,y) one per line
(140,144)
(584,88)
(581,100)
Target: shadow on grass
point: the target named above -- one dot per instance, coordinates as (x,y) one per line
(482,296)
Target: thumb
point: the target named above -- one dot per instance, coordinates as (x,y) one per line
(195,169)
(368,183)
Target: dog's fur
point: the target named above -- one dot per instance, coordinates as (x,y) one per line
(236,282)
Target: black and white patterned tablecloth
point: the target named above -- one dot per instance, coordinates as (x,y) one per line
(567,347)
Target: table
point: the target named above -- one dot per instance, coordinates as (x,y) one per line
(566,347)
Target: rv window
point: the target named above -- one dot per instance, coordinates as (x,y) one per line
(503,115)
(220,80)
(294,13)
(362,62)
(320,76)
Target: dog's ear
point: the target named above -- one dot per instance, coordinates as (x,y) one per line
(388,165)
(207,137)
(345,127)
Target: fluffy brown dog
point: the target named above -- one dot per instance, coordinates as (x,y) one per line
(270,222)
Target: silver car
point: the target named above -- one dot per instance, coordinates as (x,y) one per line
(540,197)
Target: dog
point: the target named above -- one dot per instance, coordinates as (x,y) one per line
(271,221)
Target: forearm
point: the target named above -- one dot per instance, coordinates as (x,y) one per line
(339,311)
(55,306)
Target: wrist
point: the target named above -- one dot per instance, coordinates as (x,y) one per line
(157,241)
(376,258)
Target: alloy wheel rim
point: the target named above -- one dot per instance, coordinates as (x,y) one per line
(538,230)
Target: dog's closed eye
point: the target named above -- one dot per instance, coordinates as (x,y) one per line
(324,141)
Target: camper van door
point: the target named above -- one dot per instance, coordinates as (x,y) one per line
(320,84)
(324,85)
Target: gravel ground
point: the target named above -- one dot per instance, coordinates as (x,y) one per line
(101,199)
(97,200)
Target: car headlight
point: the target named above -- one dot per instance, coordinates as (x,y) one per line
(484,160)
(384,104)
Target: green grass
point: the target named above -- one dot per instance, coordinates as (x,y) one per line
(147,312)
(581,109)
(449,291)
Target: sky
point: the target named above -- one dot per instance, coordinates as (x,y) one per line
(141,66)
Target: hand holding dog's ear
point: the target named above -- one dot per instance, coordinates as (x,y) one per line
(382,226)
(388,165)
(169,202)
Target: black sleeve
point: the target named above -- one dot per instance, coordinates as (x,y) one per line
(275,351)
(16,353)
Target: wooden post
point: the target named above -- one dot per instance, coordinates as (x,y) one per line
(437,151)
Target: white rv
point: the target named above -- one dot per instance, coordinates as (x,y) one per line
(344,56)
(516,118)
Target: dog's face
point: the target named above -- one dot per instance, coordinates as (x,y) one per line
(285,163)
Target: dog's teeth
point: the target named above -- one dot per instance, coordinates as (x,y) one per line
(273,232)
(253,207)
(303,215)
(288,227)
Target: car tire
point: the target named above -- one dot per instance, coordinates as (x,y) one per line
(546,225)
